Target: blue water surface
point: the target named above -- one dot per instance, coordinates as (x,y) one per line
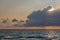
(29,34)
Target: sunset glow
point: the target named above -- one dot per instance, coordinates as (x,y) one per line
(29,12)
(52,9)
(20,8)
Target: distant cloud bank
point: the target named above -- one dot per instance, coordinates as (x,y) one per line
(37,18)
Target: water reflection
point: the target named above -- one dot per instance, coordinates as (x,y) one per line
(29,34)
(51,34)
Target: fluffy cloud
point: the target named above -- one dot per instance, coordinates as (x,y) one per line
(44,17)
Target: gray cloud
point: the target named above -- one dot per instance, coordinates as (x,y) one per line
(44,17)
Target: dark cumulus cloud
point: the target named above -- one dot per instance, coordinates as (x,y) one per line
(44,18)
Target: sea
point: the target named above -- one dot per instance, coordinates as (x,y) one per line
(29,34)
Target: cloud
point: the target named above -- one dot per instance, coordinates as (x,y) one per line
(14,20)
(54,18)
(44,17)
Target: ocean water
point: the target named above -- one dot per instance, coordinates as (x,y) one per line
(29,34)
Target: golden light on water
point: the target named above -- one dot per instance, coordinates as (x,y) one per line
(51,34)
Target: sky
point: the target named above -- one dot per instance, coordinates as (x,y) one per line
(20,9)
